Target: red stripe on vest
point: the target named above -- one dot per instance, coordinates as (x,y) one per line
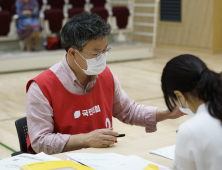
(75,114)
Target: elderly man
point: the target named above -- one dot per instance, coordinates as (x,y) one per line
(70,105)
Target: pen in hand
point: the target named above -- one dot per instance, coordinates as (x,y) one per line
(120,135)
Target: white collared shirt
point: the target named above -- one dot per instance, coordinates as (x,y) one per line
(199,143)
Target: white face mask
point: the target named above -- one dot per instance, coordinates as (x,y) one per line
(95,65)
(187,110)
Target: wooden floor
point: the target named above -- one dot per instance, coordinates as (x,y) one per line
(139,79)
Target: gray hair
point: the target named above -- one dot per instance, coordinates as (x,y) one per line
(83,28)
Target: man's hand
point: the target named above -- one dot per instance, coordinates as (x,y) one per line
(100,138)
(163,114)
(176,113)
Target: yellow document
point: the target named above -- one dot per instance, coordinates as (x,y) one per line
(151,167)
(54,165)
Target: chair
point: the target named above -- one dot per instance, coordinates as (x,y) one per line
(101,11)
(22,129)
(55,19)
(13,9)
(75,11)
(99,8)
(121,14)
(5,17)
(77,3)
(121,21)
(7,5)
(56,4)
(98,3)
(77,7)
(54,16)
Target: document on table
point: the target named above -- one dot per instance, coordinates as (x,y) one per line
(13,163)
(110,161)
(167,152)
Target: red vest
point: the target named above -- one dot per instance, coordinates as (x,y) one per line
(74,114)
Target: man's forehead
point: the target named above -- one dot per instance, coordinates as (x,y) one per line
(96,45)
(99,49)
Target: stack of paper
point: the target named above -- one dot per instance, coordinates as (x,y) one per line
(111,161)
(13,163)
(167,152)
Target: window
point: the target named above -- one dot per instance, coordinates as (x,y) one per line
(170,10)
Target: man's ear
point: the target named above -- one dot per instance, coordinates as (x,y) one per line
(72,52)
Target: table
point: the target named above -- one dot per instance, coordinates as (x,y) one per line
(139,147)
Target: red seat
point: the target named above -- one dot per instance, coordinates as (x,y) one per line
(5,17)
(13,9)
(77,7)
(55,15)
(56,4)
(7,5)
(121,14)
(101,11)
(77,3)
(98,3)
(75,11)
(55,18)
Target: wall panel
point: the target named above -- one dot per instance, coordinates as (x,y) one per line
(141,21)
(195,30)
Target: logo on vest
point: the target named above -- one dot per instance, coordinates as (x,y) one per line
(77,114)
(88,112)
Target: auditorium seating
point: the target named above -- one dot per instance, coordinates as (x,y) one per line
(98,7)
(5,17)
(56,4)
(55,18)
(122,14)
(77,7)
(7,5)
(101,11)
(54,14)
(98,3)
(8,30)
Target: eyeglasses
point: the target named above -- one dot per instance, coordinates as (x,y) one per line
(98,55)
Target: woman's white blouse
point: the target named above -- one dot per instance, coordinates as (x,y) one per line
(199,143)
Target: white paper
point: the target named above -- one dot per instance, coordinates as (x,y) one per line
(136,162)
(13,163)
(167,152)
(46,157)
(111,161)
